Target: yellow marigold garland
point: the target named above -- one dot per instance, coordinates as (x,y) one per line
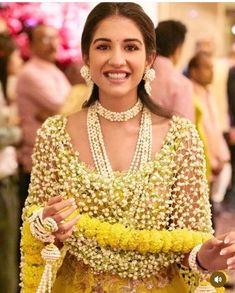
(143,241)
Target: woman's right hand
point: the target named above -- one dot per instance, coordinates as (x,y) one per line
(59,209)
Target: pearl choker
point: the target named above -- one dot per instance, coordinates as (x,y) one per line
(119,116)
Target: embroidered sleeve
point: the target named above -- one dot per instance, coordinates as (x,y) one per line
(190,193)
(43,186)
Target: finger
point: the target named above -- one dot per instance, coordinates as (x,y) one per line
(55,208)
(213,243)
(231,268)
(55,199)
(228,250)
(63,215)
(217,242)
(230,238)
(61,237)
(222,236)
(231,261)
(68,225)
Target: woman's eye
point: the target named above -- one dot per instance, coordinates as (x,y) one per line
(132,48)
(102,47)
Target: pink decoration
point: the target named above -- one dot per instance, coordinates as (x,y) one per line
(68,18)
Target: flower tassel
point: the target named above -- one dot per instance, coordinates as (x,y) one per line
(50,254)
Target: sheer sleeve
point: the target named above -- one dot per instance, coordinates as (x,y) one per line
(190,192)
(44,185)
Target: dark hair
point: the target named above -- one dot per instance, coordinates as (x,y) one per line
(195,61)
(136,13)
(170,34)
(7,47)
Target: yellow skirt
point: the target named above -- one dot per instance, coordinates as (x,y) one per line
(75,277)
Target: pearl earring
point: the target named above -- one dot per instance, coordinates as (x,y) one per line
(86,75)
(148,78)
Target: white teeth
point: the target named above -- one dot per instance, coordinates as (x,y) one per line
(117,75)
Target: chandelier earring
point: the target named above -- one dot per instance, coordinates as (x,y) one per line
(86,75)
(149,76)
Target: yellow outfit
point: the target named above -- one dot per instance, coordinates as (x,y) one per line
(202,135)
(169,192)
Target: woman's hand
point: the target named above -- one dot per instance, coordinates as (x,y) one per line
(218,253)
(59,209)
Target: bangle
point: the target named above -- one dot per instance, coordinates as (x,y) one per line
(199,265)
(193,263)
(42,229)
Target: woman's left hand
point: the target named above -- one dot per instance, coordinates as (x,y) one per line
(218,253)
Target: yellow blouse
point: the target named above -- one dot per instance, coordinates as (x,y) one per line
(168,193)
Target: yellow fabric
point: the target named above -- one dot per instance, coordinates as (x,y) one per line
(77,96)
(72,280)
(57,169)
(201,132)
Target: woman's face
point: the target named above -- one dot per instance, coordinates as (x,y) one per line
(117,57)
(14,63)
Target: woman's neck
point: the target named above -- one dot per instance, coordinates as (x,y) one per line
(118,104)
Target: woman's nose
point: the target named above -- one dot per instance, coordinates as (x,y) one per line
(117,58)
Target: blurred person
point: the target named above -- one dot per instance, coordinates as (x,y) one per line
(230,197)
(41,92)
(3,26)
(171,89)
(73,74)
(200,71)
(218,86)
(10,135)
(79,92)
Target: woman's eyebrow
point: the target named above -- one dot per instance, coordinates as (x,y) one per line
(101,39)
(109,40)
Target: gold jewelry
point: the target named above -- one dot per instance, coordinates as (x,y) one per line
(86,75)
(143,147)
(119,116)
(149,76)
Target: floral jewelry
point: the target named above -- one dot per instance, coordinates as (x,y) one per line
(86,75)
(149,76)
(143,147)
(204,286)
(42,229)
(119,116)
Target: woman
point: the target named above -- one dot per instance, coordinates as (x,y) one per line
(10,135)
(119,188)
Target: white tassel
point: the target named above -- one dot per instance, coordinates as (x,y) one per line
(50,254)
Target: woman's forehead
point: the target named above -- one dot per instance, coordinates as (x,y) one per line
(117,27)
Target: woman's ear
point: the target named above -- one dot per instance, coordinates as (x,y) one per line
(150,59)
(85,60)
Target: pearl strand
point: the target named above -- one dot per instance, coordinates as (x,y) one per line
(143,147)
(119,116)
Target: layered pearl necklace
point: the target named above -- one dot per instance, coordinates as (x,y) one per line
(119,116)
(143,147)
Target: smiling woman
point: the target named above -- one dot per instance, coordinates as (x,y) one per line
(119,188)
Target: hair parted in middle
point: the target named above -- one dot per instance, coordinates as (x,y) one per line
(134,12)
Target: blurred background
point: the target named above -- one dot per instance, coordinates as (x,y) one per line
(28,97)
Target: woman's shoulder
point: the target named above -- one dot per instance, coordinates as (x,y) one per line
(52,125)
(174,122)
(77,120)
